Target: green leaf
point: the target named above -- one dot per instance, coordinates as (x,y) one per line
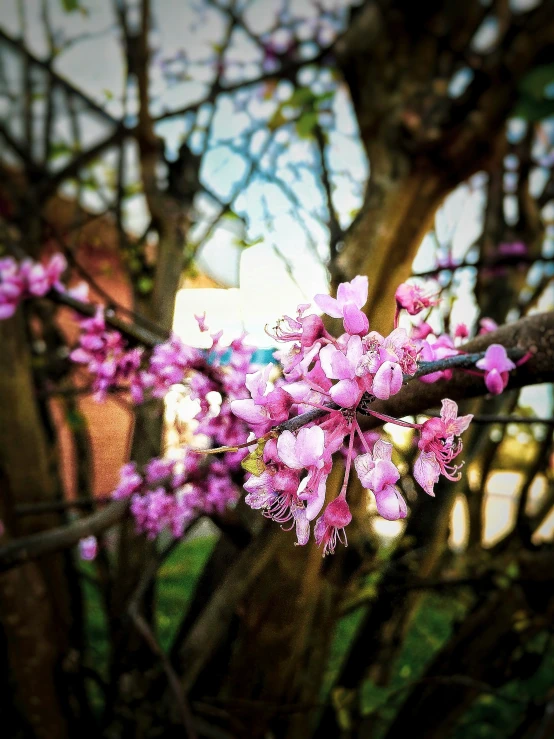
(533,110)
(325,96)
(254,462)
(306,124)
(534,83)
(301,97)
(68,6)
(536,100)
(145,285)
(59,149)
(75,420)
(276,120)
(244,244)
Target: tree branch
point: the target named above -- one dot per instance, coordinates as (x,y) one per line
(31,547)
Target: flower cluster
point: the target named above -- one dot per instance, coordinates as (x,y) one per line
(112,363)
(289,470)
(107,357)
(28,279)
(168,494)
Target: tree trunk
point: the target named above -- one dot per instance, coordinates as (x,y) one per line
(36,612)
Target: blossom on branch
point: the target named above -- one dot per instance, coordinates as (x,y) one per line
(439,445)
(257,426)
(496,365)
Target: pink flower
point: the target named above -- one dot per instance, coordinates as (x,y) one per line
(158,469)
(55,267)
(7,306)
(388,359)
(496,365)
(378,474)
(422,330)
(402,350)
(387,380)
(339,364)
(264,406)
(80,291)
(312,489)
(88,548)
(11,287)
(440,349)
(427,471)
(461,331)
(303,450)
(305,329)
(201,321)
(35,277)
(42,278)
(351,297)
(261,491)
(302,526)
(390,503)
(129,481)
(413,299)
(153,511)
(330,527)
(487,326)
(168,364)
(439,446)
(512,249)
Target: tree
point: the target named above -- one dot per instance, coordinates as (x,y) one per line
(431,97)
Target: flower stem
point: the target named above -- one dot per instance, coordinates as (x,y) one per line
(342,493)
(397,421)
(362,437)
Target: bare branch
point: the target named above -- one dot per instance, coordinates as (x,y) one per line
(32,547)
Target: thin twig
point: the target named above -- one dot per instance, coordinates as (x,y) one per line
(49,506)
(146,632)
(144,629)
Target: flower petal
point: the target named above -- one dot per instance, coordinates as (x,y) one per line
(316,501)
(390,504)
(309,446)
(328,305)
(364,465)
(286,449)
(384,474)
(249,411)
(302,526)
(355,321)
(382,450)
(346,393)
(387,381)
(427,471)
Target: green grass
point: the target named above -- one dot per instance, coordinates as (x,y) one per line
(176,582)
(490,717)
